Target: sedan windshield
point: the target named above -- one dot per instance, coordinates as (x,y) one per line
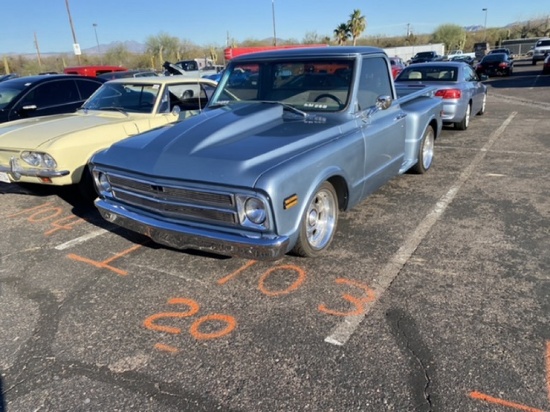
(124,97)
(429,73)
(307,85)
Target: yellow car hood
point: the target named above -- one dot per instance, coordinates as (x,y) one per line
(35,132)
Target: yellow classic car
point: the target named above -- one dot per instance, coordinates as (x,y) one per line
(55,150)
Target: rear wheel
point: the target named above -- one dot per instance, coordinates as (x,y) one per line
(318,224)
(465,122)
(425,152)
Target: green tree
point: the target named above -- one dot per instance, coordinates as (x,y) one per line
(452,35)
(356,25)
(164,46)
(341,34)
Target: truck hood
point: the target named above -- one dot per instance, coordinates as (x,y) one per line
(232,145)
(37,131)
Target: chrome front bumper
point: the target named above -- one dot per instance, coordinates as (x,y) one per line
(187,237)
(17,171)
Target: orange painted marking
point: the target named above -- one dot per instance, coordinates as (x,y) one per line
(548,369)
(106,263)
(38,216)
(22,212)
(149,323)
(358,303)
(237,272)
(482,397)
(295,285)
(62,225)
(166,348)
(230,320)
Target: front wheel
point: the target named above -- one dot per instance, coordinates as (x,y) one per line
(318,224)
(483,105)
(425,152)
(86,186)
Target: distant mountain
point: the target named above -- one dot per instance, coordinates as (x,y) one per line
(471,29)
(130,45)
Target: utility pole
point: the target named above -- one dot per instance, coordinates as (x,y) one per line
(37,51)
(76,46)
(485,25)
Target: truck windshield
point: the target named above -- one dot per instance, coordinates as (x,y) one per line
(308,85)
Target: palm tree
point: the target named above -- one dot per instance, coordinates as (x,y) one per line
(356,24)
(341,34)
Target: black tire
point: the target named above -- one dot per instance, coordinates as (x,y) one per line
(319,222)
(534,62)
(465,122)
(425,152)
(86,186)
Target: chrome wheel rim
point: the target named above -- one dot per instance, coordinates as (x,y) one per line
(428,149)
(483,103)
(467,117)
(320,219)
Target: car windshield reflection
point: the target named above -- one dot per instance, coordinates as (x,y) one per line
(124,97)
(307,85)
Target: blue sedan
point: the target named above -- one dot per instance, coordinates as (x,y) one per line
(458,85)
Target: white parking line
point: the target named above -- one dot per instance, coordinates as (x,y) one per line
(341,334)
(81,239)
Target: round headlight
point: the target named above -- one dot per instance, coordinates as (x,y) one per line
(254,210)
(104,184)
(31,158)
(49,161)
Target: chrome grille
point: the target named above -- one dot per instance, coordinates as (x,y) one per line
(176,202)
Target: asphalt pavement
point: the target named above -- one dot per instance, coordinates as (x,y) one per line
(434,296)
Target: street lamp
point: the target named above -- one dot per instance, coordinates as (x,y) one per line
(485,25)
(96,39)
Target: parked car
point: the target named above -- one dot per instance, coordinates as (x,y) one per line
(127,73)
(502,50)
(427,56)
(55,150)
(464,59)
(542,46)
(397,65)
(495,64)
(43,95)
(457,84)
(93,70)
(265,169)
(546,65)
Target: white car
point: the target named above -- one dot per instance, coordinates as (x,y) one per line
(542,46)
(55,150)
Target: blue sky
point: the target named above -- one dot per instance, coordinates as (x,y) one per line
(210,22)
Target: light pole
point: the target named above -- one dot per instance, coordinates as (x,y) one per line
(273,13)
(485,25)
(97,42)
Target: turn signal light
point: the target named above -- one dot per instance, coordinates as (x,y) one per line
(449,93)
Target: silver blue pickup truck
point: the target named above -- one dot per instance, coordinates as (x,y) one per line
(288,140)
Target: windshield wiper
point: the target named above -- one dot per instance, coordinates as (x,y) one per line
(287,107)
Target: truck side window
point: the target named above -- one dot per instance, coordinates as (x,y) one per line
(374,81)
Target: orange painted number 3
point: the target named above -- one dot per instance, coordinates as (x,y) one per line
(358,303)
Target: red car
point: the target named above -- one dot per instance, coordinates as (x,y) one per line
(397,65)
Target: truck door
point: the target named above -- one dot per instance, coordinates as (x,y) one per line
(383,130)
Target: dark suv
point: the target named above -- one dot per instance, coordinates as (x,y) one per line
(428,56)
(44,95)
